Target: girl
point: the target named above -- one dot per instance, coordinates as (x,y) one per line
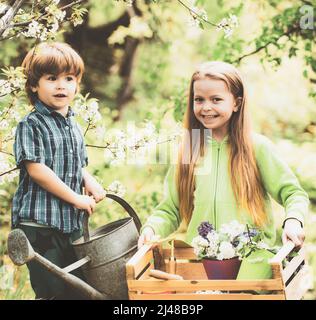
(243,168)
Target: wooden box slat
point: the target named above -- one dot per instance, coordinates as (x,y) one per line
(293,265)
(298,286)
(204,296)
(139,262)
(196,285)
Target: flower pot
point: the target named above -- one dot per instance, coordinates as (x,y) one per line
(221,269)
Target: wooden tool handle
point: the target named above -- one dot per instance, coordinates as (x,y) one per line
(164,275)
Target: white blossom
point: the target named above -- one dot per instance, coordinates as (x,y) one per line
(54,26)
(17,82)
(100,132)
(4,124)
(33,30)
(199,242)
(117,188)
(60,15)
(213,239)
(44,34)
(226,251)
(232,229)
(228,25)
(5,87)
(4,167)
(262,245)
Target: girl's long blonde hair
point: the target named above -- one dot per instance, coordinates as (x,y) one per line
(245,176)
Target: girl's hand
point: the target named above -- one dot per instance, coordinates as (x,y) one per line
(293,231)
(147,235)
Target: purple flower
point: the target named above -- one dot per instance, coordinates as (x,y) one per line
(253,232)
(205,228)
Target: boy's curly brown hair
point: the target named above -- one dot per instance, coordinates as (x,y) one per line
(50,58)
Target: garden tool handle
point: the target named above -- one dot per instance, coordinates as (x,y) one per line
(85,226)
(123,203)
(128,208)
(164,275)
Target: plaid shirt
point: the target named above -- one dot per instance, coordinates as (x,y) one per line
(45,136)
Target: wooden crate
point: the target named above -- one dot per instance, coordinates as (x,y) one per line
(287,283)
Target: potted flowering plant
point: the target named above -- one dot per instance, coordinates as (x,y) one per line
(222,251)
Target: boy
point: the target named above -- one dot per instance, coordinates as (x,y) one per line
(50,152)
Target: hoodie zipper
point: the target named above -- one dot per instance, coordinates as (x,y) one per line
(217,163)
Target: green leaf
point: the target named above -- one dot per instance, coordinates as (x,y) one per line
(305,74)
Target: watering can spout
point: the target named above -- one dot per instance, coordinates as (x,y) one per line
(20,252)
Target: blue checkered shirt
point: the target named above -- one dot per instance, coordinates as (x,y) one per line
(45,136)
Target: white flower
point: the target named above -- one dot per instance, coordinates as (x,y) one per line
(198,251)
(211,252)
(228,25)
(118,157)
(232,229)
(93,106)
(100,132)
(226,251)
(5,87)
(33,31)
(44,34)
(54,26)
(213,238)
(17,82)
(4,124)
(262,245)
(233,20)
(120,135)
(60,15)
(117,188)
(199,242)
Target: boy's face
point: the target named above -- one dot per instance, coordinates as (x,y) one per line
(58,91)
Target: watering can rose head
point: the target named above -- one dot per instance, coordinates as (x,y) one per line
(232,240)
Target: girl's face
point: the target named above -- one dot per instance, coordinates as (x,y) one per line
(213,105)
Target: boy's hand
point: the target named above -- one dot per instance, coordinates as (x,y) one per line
(293,231)
(85,202)
(94,189)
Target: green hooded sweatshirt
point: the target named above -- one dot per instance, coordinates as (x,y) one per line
(214,200)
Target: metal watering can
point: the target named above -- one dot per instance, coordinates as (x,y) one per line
(102,255)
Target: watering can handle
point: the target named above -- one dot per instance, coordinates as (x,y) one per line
(123,203)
